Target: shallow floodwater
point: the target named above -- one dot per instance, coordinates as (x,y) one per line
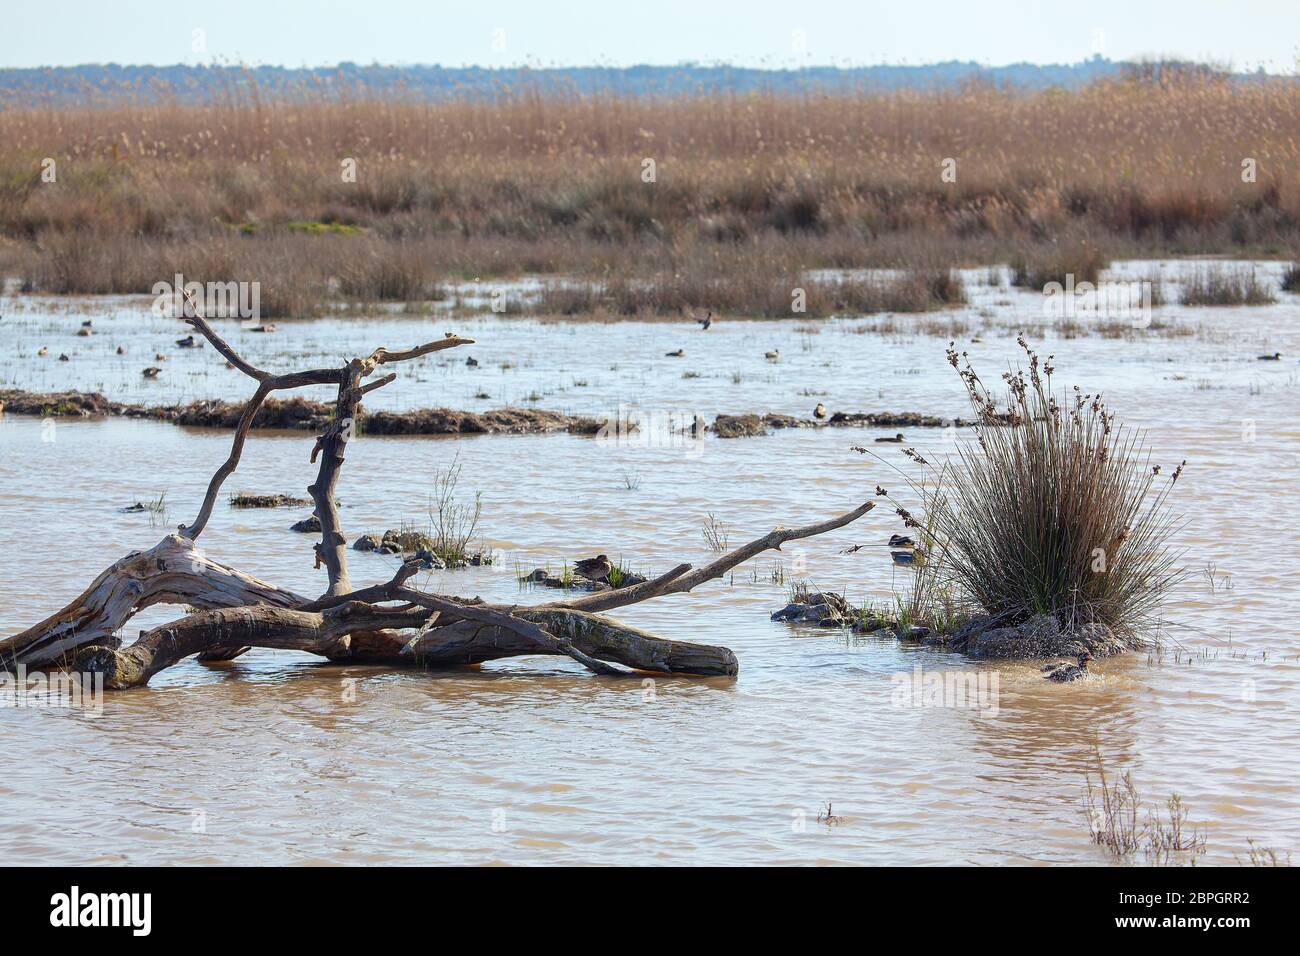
(278,758)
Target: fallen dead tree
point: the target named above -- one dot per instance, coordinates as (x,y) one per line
(391,623)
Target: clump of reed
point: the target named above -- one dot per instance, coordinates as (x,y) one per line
(453,522)
(756,289)
(1077,263)
(1055,509)
(1221,285)
(1291,278)
(1119,822)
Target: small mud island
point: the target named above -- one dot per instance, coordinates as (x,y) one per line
(1046,537)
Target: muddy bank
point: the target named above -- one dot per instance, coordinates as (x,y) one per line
(979,635)
(303,414)
(748,426)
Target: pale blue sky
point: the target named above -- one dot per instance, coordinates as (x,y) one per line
(623,32)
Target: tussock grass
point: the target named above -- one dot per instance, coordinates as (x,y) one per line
(1055,509)
(1221,285)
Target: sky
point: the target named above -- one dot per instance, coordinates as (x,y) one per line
(762,33)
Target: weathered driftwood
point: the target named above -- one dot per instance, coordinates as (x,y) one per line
(173,571)
(390,623)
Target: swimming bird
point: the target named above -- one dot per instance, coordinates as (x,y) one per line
(159,357)
(64,357)
(772,355)
(819,411)
(1064,673)
(471,361)
(1275,357)
(594,569)
(901,541)
(151,372)
(87,324)
(853,549)
(680,353)
(186,343)
(42,351)
(706,321)
(903,557)
(121,350)
(897,438)
(85,330)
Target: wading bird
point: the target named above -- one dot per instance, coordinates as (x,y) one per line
(594,569)
(1064,673)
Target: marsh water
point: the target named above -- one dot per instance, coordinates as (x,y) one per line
(279,758)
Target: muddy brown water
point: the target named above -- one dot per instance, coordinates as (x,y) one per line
(277,758)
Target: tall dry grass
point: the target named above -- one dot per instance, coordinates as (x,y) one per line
(531,183)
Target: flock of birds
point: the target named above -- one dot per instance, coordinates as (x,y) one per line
(87,329)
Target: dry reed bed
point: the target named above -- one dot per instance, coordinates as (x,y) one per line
(746,186)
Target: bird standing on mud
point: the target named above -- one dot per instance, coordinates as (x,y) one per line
(593,569)
(1064,673)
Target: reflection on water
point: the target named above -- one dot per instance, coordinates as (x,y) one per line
(276,757)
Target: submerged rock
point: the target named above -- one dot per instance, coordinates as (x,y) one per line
(367,542)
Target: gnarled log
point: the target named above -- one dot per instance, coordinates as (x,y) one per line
(174,571)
